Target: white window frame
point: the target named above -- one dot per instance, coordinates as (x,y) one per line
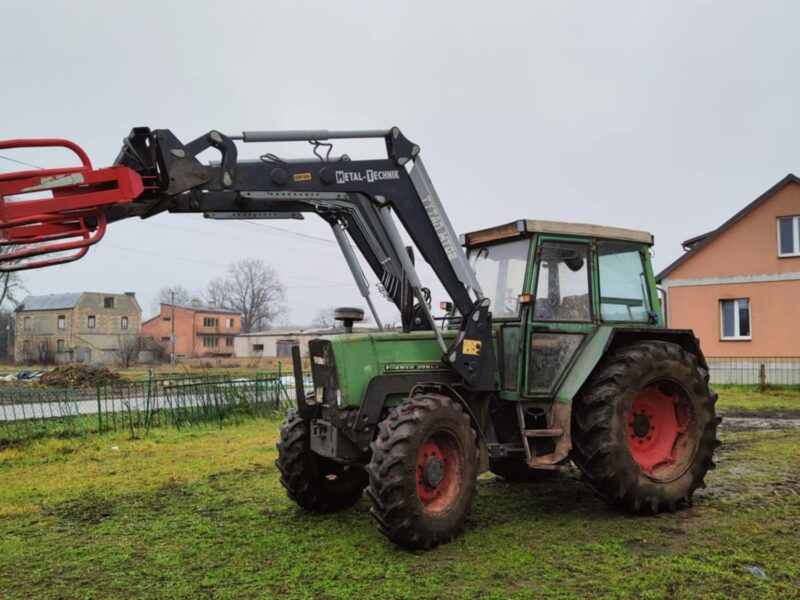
(735,337)
(795,228)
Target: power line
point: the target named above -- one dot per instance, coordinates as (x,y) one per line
(297,233)
(203,262)
(238,239)
(21,162)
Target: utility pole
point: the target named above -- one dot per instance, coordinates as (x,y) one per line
(172,337)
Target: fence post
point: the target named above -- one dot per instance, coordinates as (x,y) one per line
(99,411)
(762,378)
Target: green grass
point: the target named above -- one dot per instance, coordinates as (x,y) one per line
(200,513)
(747,397)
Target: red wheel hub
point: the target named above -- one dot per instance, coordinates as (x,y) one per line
(658,430)
(438,474)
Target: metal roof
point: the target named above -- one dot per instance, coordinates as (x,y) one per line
(50,302)
(517,228)
(205,308)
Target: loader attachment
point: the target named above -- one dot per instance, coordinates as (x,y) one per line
(57,214)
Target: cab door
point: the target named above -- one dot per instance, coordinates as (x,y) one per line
(561,314)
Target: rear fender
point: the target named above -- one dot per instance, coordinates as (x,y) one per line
(608,339)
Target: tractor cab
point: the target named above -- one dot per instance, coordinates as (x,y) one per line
(552,286)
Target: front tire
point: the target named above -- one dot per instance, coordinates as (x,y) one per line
(314,482)
(644,427)
(423,472)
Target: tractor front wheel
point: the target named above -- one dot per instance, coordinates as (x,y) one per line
(423,472)
(316,483)
(644,427)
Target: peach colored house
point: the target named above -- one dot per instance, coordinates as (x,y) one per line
(200,330)
(738,287)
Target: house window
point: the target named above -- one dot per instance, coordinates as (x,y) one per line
(230,323)
(258,347)
(60,346)
(165,338)
(108,302)
(26,348)
(123,322)
(167,319)
(229,342)
(62,322)
(26,324)
(734,316)
(210,342)
(91,321)
(210,322)
(789,236)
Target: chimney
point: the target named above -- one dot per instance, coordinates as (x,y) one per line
(195,303)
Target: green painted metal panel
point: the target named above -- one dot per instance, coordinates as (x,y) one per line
(587,360)
(360,357)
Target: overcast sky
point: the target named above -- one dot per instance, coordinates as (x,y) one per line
(665,116)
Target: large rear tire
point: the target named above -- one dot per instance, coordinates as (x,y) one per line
(316,483)
(422,476)
(644,427)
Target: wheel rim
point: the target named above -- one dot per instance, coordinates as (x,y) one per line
(438,472)
(660,434)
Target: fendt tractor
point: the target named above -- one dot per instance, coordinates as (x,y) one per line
(552,349)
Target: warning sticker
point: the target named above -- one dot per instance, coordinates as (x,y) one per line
(471,347)
(302,176)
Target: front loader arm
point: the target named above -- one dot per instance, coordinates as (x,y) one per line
(356,197)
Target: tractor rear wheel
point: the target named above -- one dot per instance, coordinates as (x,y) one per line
(423,472)
(644,427)
(316,483)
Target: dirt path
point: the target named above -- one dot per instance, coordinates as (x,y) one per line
(763,420)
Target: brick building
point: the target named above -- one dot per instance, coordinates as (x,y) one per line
(200,330)
(738,286)
(84,327)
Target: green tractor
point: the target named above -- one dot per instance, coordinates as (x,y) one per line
(552,348)
(583,373)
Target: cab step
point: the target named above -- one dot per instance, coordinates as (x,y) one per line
(543,432)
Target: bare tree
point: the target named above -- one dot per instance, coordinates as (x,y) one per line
(127,350)
(252,288)
(11,284)
(323,318)
(182,296)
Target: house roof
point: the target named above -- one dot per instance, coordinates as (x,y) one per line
(697,243)
(289,331)
(50,302)
(204,308)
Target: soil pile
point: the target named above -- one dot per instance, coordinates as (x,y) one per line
(79,376)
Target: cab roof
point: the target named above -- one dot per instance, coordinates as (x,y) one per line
(529,226)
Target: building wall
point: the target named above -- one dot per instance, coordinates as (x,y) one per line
(247,345)
(773,317)
(97,345)
(190,331)
(750,246)
(748,249)
(42,329)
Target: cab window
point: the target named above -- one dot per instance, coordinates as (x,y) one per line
(562,289)
(500,269)
(623,283)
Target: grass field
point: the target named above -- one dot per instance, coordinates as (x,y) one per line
(748,398)
(200,513)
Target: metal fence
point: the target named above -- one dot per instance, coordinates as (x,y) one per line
(754,370)
(137,406)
